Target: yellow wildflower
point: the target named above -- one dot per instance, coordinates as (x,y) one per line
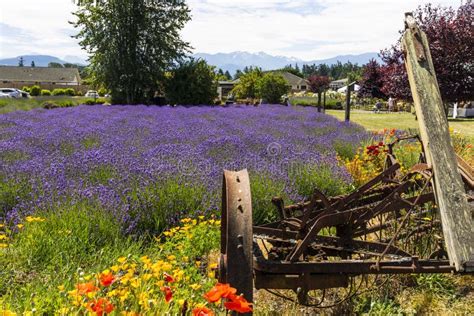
(31,219)
(20,226)
(195,286)
(122,259)
(3,246)
(3,237)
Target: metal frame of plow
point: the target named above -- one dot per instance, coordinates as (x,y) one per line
(456,213)
(327,242)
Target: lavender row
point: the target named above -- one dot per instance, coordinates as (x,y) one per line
(127,159)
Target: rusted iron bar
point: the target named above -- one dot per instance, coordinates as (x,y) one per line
(355,267)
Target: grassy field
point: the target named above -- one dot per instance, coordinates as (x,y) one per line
(400,120)
(115,209)
(12,105)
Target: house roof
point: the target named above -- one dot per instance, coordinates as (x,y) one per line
(343,81)
(39,74)
(292,79)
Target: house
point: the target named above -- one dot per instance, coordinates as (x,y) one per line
(225,87)
(337,84)
(14,76)
(297,84)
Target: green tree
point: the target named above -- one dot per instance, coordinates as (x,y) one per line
(132,43)
(247,86)
(55,65)
(271,87)
(191,82)
(20,62)
(33,64)
(227,75)
(318,84)
(238,74)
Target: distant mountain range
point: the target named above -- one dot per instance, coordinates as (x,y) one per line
(238,60)
(41,60)
(225,61)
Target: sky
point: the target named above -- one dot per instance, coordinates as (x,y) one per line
(305,29)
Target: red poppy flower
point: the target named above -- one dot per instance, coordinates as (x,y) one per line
(168,293)
(100,306)
(218,291)
(238,304)
(106,278)
(168,278)
(202,311)
(84,288)
(380,144)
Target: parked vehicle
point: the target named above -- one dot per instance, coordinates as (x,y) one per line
(14,93)
(24,94)
(92,94)
(4,95)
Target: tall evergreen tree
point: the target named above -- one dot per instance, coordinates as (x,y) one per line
(132,43)
(33,63)
(20,62)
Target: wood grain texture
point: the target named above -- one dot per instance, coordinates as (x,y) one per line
(456,213)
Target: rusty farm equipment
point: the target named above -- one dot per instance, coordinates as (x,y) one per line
(328,242)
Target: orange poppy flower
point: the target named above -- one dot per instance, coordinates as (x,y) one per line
(168,293)
(168,278)
(238,304)
(106,278)
(218,291)
(202,311)
(100,306)
(84,288)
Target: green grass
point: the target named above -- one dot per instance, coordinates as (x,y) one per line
(399,120)
(10,105)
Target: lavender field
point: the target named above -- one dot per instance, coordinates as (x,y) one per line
(150,166)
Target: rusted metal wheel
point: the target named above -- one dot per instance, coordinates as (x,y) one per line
(235,263)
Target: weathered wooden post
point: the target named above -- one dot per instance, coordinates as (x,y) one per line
(456,213)
(324,102)
(348,100)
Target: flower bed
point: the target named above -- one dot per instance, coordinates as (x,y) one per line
(150,166)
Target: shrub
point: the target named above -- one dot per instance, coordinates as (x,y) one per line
(66,104)
(26,89)
(70,92)
(271,87)
(102,92)
(58,92)
(96,101)
(50,105)
(35,91)
(247,86)
(79,93)
(45,92)
(191,82)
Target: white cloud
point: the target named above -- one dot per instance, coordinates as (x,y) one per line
(301,28)
(284,27)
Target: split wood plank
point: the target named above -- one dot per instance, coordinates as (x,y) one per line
(456,213)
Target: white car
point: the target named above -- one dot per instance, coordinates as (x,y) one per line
(92,94)
(4,95)
(14,93)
